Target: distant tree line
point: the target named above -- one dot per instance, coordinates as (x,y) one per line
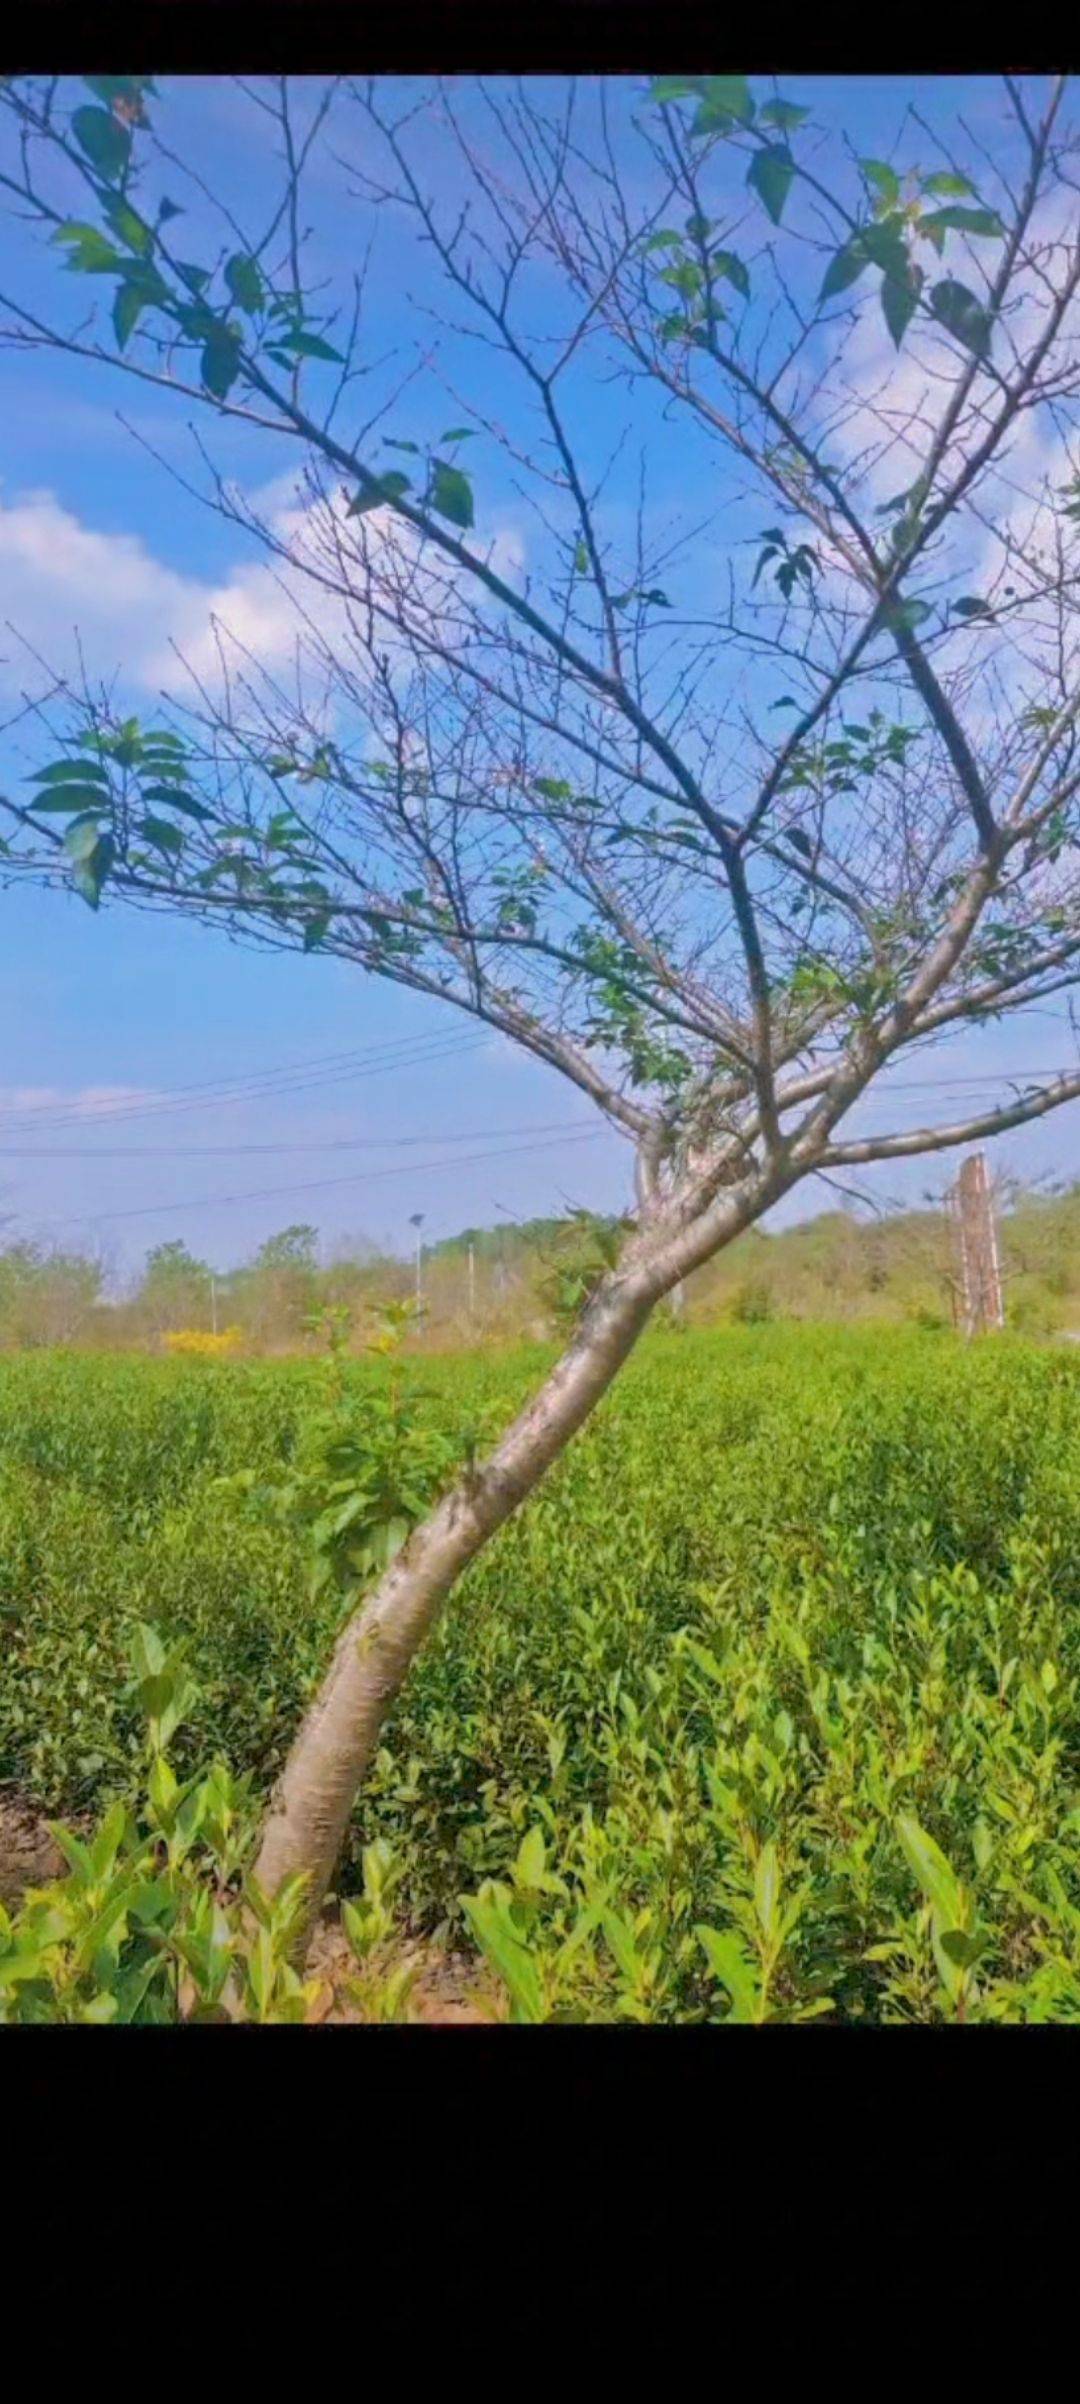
(523,1278)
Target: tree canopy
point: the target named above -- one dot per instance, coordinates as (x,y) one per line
(570,797)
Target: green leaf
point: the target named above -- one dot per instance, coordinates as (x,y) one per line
(848,265)
(767,1891)
(308,346)
(129,227)
(929,1866)
(969,606)
(771,175)
(220,365)
(728,263)
(159,832)
(147,1651)
(82,838)
(675,87)
(731,1964)
(184,802)
(119,87)
(529,1866)
(948,185)
(900,500)
(103,141)
(885,181)
(899,301)
(686,278)
(127,309)
(58,801)
(108,1840)
(984,222)
(90,253)
(451,494)
(91,869)
(245,283)
(884,245)
(784,114)
(962,1950)
(963,316)
(620,1937)
(726,100)
(581,559)
(315,930)
(76,1853)
(459,434)
(69,772)
(907,614)
(495,1933)
(388,488)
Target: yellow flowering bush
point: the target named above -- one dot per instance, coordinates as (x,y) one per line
(197,1342)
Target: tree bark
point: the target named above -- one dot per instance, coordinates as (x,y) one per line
(309,1811)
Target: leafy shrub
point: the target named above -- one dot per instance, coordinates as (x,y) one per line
(752,1302)
(159,1918)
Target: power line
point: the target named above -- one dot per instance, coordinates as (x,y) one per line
(335,1143)
(959,1084)
(373,1060)
(266,1088)
(272,1084)
(145,1210)
(318,1062)
(330,1067)
(393,1143)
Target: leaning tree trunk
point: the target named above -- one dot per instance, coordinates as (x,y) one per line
(309,1811)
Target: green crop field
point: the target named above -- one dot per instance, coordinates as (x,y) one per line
(766,1706)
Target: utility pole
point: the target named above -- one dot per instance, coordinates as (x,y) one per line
(981,1304)
(472,1282)
(417,1221)
(500,1256)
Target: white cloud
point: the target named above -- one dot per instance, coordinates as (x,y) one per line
(249,607)
(64,584)
(59,576)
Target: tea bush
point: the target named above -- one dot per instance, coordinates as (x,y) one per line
(159,1917)
(766,1706)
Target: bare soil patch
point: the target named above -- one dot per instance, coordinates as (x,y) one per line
(29,1856)
(450,1990)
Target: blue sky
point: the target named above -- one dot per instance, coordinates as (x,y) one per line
(108,1019)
